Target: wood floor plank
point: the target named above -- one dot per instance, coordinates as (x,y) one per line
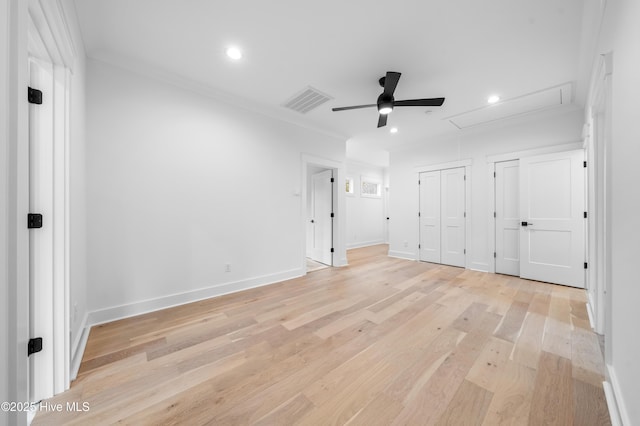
(552,402)
(381,341)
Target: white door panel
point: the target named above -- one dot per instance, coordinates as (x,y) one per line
(507,190)
(453,216)
(552,205)
(322,223)
(442,217)
(430,216)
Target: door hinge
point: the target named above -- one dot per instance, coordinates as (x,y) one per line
(419,246)
(332,180)
(585,215)
(494,174)
(464,251)
(332,250)
(332,215)
(584,164)
(34,346)
(418,214)
(34,96)
(465,177)
(34,220)
(494,255)
(586,265)
(418,182)
(494,214)
(465,214)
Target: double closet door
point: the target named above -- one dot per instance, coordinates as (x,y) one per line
(540,218)
(442,216)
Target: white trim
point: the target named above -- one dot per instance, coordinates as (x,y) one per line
(114,313)
(609,396)
(443,166)
(78,347)
(351,246)
(617,407)
(402,255)
(590,311)
(479,266)
(570,146)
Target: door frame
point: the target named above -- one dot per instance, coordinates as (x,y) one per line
(467,198)
(339,208)
(49,40)
(597,143)
(491,187)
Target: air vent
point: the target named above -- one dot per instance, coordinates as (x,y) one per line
(307,100)
(544,99)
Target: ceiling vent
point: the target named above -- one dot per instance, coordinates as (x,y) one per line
(306,100)
(537,101)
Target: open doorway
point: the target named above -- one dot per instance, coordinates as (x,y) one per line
(322,202)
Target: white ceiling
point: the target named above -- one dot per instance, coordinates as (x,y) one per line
(463,50)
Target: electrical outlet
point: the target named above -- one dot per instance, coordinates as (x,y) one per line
(227,267)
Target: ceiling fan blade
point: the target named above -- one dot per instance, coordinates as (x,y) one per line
(420,102)
(382,120)
(353,107)
(390,82)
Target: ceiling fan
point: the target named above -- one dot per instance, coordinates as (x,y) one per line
(386,102)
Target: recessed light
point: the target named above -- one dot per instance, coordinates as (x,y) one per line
(394,130)
(234,53)
(493,99)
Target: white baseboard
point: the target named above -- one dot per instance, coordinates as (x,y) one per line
(590,312)
(479,266)
(145,306)
(615,402)
(364,244)
(402,254)
(78,348)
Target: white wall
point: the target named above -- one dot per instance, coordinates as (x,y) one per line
(550,128)
(365,215)
(621,34)
(180,184)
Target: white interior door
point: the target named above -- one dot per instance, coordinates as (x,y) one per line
(430,216)
(322,222)
(41,241)
(452,195)
(552,218)
(507,209)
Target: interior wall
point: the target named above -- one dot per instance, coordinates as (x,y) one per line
(179,185)
(554,127)
(620,34)
(365,215)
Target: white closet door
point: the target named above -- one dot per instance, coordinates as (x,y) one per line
(452,195)
(552,207)
(430,216)
(507,210)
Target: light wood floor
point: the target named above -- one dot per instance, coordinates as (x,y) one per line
(382,341)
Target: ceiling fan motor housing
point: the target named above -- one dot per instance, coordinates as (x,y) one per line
(385,101)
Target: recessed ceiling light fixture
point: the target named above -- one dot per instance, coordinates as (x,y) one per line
(394,130)
(493,99)
(234,53)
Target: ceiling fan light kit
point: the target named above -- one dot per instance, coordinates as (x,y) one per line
(386,101)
